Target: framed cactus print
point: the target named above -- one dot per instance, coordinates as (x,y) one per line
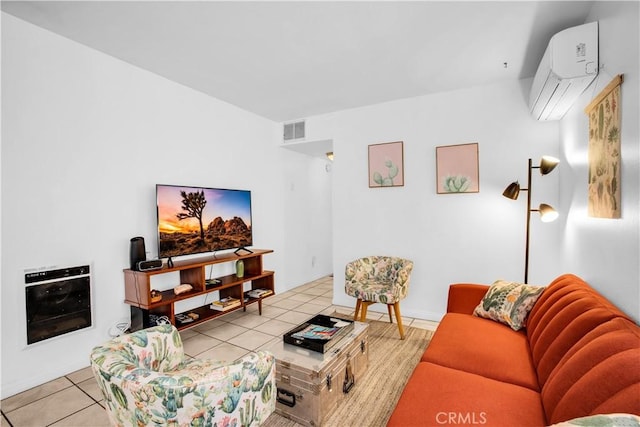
(457,169)
(386,165)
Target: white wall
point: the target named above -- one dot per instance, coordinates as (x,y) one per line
(307,209)
(606,252)
(85,138)
(480,237)
(454,237)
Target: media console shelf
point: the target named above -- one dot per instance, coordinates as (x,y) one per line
(143,309)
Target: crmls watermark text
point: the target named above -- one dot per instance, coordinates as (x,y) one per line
(454,418)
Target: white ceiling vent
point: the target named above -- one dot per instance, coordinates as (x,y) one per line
(293,131)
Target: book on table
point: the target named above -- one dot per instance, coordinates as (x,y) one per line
(225,304)
(259,293)
(316,332)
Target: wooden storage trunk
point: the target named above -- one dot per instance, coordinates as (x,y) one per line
(310,385)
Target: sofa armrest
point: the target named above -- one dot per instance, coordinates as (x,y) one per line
(464,297)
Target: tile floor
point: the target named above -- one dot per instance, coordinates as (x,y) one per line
(75,400)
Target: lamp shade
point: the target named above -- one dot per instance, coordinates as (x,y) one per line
(547,164)
(512,191)
(547,213)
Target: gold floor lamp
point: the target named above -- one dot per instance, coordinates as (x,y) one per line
(547,213)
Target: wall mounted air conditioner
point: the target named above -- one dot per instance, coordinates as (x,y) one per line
(568,66)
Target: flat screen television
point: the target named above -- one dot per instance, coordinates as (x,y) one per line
(193,220)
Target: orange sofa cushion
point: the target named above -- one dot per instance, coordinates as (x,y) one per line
(600,374)
(437,395)
(567,310)
(483,347)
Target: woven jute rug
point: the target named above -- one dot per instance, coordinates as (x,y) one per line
(372,400)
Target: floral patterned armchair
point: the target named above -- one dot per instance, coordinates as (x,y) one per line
(378,279)
(146,380)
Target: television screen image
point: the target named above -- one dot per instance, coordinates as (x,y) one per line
(194,220)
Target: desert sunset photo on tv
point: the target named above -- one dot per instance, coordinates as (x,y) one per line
(193,220)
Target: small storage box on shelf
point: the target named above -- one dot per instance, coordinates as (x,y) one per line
(144,310)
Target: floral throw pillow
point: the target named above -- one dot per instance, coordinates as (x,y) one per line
(508,303)
(603,420)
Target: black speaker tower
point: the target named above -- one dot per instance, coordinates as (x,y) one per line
(137,252)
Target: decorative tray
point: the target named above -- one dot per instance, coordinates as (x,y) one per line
(320,333)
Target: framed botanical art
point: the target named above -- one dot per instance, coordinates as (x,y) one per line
(457,169)
(604,152)
(386,165)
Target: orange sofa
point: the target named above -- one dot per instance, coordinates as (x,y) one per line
(578,356)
